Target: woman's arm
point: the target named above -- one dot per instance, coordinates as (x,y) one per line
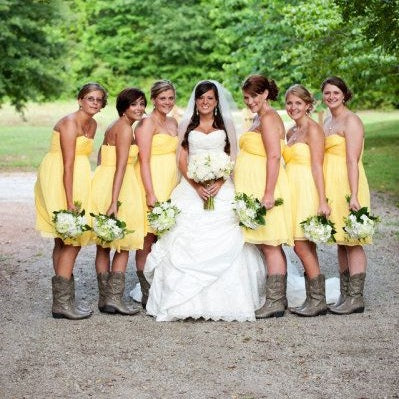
(271,142)
(122,146)
(354,136)
(315,138)
(68,135)
(144,133)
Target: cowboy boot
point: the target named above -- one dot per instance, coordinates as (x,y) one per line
(275,297)
(79,307)
(344,288)
(307,294)
(354,302)
(316,301)
(114,295)
(145,288)
(102,280)
(63,303)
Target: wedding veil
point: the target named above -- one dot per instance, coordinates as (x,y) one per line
(227,107)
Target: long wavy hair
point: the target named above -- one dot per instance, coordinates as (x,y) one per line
(218,122)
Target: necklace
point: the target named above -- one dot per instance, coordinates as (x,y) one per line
(85,129)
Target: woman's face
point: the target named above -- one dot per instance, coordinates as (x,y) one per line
(254,101)
(296,108)
(136,110)
(206,103)
(165,101)
(333,96)
(92,102)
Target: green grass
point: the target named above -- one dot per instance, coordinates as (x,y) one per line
(24,142)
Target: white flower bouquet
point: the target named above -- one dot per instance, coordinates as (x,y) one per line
(206,168)
(250,211)
(360,225)
(70,224)
(163,216)
(109,228)
(318,229)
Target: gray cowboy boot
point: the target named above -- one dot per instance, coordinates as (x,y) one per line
(316,300)
(102,280)
(145,288)
(79,307)
(354,302)
(343,287)
(114,298)
(307,299)
(275,297)
(63,302)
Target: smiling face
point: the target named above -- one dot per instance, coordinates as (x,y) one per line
(296,108)
(92,102)
(136,110)
(206,103)
(255,101)
(333,96)
(164,101)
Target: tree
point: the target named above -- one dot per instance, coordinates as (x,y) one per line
(31,51)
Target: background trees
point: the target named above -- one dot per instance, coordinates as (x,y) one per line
(51,47)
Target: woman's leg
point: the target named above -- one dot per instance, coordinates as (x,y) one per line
(58,245)
(307,253)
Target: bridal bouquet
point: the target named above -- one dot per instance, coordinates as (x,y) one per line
(70,224)
(109,228)
(207,168)
(318,229)
(250,211)
(163,216)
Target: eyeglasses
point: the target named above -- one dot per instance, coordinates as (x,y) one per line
(94,100)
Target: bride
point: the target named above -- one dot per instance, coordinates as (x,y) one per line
(203,267)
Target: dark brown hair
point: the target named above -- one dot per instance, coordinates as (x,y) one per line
(336,81)
(127,97)
(218,122)
(257,84)
(88,88)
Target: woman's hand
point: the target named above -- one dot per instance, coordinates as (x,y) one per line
(324,209)
(214,188)
(71,207)
(151,199)
(268,201)
(354,204)
(202,191)
(113,209)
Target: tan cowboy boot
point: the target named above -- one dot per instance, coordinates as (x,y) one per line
(145,287)
(307,299)
(275,297)
(114,298)
(344,288)
(63,303)
(79,307)
(354,302)
(316,302)
(102,280)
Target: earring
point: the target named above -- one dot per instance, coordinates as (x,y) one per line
(216,111)
(196,111)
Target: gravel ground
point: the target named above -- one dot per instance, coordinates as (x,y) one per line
(108,356)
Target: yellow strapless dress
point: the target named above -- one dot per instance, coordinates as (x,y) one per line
(49,187)
(304,196)
(163,166)
(131,210)
(337,185)
(250,178)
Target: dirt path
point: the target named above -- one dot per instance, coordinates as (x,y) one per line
(134,357)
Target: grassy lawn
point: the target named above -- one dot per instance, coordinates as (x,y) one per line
(24,142)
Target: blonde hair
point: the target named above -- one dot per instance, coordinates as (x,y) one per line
(160,86)
(303,93)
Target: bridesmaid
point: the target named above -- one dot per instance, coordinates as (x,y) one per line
(259,172)
(304,155)
(115,180)
(157,141)
(344,175)
(64,177)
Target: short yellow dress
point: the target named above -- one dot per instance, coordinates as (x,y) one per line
(337,186)
(250,178)
(163,167)
(49,187)
(131,210)
(304,196)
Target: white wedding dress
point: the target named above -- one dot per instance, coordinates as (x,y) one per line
(203,267)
